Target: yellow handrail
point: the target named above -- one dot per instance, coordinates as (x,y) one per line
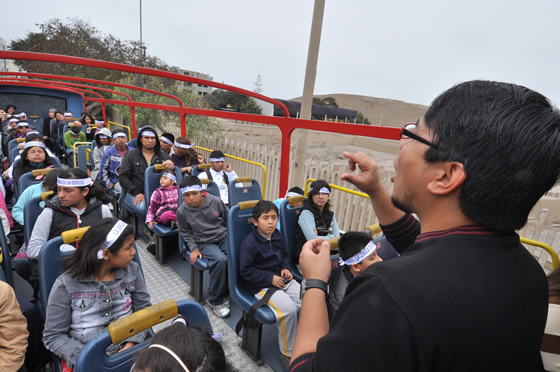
(553,254)
(120,125)
(246,161)
(75,149)
(363,195)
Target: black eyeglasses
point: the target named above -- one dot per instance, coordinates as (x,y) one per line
(407,131)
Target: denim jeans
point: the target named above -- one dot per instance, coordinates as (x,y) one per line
(216,255)
(139,210)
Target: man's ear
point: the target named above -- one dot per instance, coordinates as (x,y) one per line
(449,176)
(356,268)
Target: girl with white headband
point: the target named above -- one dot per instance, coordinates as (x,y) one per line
(77,202)
(316,219)
(164,202)
(182,348)
(101,284)
(357,253)
(185,156)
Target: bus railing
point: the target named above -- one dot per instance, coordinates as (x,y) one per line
(553,254)
(336,187)
(245,161)
(75,149)
(109,123)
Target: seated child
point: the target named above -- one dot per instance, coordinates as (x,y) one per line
(100,284)
(163,202)
(103,142)
(264,263)
(221,173)
(182,347)
(73,135)
(202,223)
(357,252)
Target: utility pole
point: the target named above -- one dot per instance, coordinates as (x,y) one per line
(297,175)
(141,43)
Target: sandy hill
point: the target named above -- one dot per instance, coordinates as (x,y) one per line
(379,111)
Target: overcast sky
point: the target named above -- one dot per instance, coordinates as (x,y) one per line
(405,50)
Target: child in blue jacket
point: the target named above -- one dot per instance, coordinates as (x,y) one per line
(264,263)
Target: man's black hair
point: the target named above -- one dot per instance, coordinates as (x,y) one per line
(34,137)
(169,136)
(297,190)
(508,139)
(352,242)
(190,181)
(217,154)
(263,206)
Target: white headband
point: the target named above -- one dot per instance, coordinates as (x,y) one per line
(12,120)
(103,136)
(112,237)
(170,353)
(148,133)
(182,145)
(32,132)
(165,139)
(74,182)
(119,134)
(323,190)
(22,124)
(99,122)
(291,193)
(217,159)
(191,188)
(169,175)
(33,144)
(360,256)
(68,113)
(20,115)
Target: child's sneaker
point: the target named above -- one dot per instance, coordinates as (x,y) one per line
(221,310)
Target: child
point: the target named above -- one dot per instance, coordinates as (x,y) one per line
(263,263)
(103,142)
(73,135)
(100,284)
(182,347)
(221,173)
(164,202)
(202,223)
(357,253)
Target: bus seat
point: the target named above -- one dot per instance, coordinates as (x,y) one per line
(82,157)
(13,143)
(50,263)
(288,221)
(31,211)
(211,187)
(12,155)
(36,122)
(151,182)
(93,356)
(238,226)
(197,169)
(239,193)
(28,179)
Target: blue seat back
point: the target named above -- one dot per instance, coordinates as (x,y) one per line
(24,182)
(245,193)
(13,154)
(289,220)
(11,145)
(31,211)
(132,143)
(6,259)
(37,123)
(82,157)
(151,182)
(93,356)
(239,224)
(50,267)
(194,171)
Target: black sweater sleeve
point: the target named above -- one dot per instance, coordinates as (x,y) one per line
(402,234)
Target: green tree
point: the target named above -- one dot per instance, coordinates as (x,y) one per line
(361,119)
(327,101)
(224,99)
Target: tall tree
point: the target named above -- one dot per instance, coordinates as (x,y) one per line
(220,99)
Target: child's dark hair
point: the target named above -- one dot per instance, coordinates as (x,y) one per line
(352,242)
(84,261)
(50,179)
(190,181)
(33,137)
(193,346)
(169,136)
(263,206)
(217,154)
(297,190)
(95,190)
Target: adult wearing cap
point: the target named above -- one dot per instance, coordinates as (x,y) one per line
(133,165)
(102,144)
(316,219)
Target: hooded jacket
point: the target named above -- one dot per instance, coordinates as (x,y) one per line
(133,165)
(110,164)
(99,151)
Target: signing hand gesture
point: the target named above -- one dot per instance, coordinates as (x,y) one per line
(368,179)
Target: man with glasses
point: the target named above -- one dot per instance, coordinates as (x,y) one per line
(464,294)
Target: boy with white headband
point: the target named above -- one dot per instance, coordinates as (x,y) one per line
(166,140)
(221,173)
(103,143)
(357,253)
(111,162)
(202,223)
